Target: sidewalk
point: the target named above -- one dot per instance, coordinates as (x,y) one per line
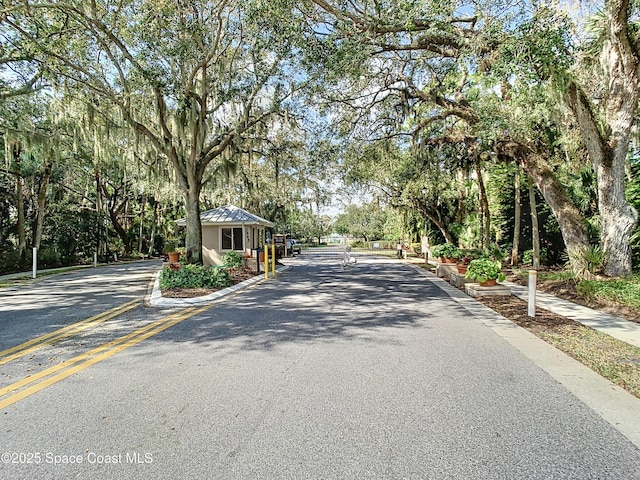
(28,275)
(612,325)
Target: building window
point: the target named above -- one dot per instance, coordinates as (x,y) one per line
(237,238)
(232,238)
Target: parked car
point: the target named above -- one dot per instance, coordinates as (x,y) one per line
(293,247)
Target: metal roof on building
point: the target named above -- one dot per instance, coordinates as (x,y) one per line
(229,215)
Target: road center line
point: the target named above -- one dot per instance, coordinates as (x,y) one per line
(36,343)
(92,357)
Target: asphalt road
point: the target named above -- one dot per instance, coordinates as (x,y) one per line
(58,300)
(369,372)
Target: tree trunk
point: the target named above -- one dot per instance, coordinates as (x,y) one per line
(42,199)
(152,240)
(441,226)
(143,205)
(570,221)
(102,232)
(516,217)
(606,136)
(535,230)
(113,210)
(480,226)
(193,237)
(617,217)
(117,226)
(22,231)
(462,175)
(485,239)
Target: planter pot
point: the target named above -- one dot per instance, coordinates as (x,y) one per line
(443,260)
(462,269)
(451,260)
(174,257)
(491,282)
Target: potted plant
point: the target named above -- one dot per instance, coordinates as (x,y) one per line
(171,250)
(447,252)
(462,267)
(485,271)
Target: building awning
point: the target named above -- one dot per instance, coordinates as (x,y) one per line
(229,215)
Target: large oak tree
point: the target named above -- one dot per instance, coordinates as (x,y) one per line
(191,78)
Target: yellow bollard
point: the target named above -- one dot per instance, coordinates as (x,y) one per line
(273,258)
(266,262)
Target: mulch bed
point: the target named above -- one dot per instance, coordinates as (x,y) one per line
(568,291)
(238,275)
(516,310)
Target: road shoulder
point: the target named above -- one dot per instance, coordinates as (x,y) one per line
(614,404)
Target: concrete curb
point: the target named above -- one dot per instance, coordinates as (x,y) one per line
(614,404)
(155,298)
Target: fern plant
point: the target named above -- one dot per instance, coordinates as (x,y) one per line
(586,262)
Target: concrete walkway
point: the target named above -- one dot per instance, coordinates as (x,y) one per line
(28,275)
(617,327)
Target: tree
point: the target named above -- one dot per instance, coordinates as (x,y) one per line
(361,221)
(606,126)
(517,215)
(191,79)
(600,88)
(444,70)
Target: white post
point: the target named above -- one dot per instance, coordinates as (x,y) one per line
(531,310)
(35,263)
(95,259)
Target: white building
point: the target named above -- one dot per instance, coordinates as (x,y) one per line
(229,229)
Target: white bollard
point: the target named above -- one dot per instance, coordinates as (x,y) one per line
(531,310)
(95,260)
(35,263)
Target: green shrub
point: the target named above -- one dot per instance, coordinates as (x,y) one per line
(495,252)
(447,250)
(417,247)
(483,269)
(232,260)
(194,276)
(527,256)
(170,246)
(49,258)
